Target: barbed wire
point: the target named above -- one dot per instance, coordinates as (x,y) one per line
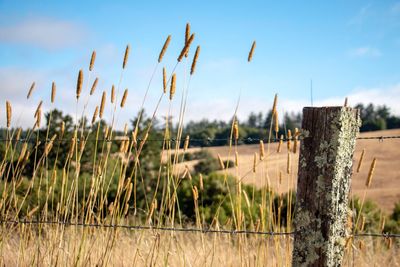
(194,140)
(181,229)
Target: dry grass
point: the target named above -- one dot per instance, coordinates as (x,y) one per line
(157,248)
(261,165)
(384,187)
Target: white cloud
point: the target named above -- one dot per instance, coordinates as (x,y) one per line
(365,51)
(47,33)
(223,109)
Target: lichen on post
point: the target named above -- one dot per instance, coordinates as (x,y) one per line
(325,168)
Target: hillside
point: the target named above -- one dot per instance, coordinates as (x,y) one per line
(386,180)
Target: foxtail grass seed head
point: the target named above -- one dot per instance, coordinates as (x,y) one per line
(370,173)
(296,139)
(187,36)
(125,129)
(221,162)
(288,163)
(196,56)
(236,130)
(253,46)
(23,151)
(276,122)
(186,48)
(262,152)
(8,113)
(112,94)
(72,147)
(30,90)
(102,104)
(280,177)
(274,105)
(39,107)
(96,112)
(62,128)
(345,102)
(360,160)
(49,145)
(126,56)
(79,84)
(18,134)
(124,96)
(201,182)
(53,92)
(289,140)
(195,193)
(96,81)
(38,116)
(280,144)
(92,60)
(186,144)
(173,86)
(164,80)
(255,162)
(164,48)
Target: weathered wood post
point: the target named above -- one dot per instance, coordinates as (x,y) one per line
(325,168)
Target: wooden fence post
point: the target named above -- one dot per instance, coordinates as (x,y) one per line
(325,167)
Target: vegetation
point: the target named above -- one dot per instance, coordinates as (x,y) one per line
(88,176)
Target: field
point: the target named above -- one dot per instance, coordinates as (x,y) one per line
(76,192)
(384,189)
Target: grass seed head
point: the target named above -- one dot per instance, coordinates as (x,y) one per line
(96,81)
(262,152)
(92,60)
(112,94)
(187,36)
(370,173)
(186,144)
(253,46)
(173,86)
(30,90)
(8,113)
(276,122)
(102,104)
(96,112)
(79,84)
(164,48)
(236,130)
(360,160)
(274,105)
(186,48)
(126,56)
(196,56)
(53,92)
(124,96)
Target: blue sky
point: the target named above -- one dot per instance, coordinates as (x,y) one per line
(348,48)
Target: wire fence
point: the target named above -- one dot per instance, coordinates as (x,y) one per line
(206,140)
(181,229)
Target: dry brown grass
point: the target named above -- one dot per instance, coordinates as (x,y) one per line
(384,187)
(157,248)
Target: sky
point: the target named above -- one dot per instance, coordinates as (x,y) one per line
(347,48)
